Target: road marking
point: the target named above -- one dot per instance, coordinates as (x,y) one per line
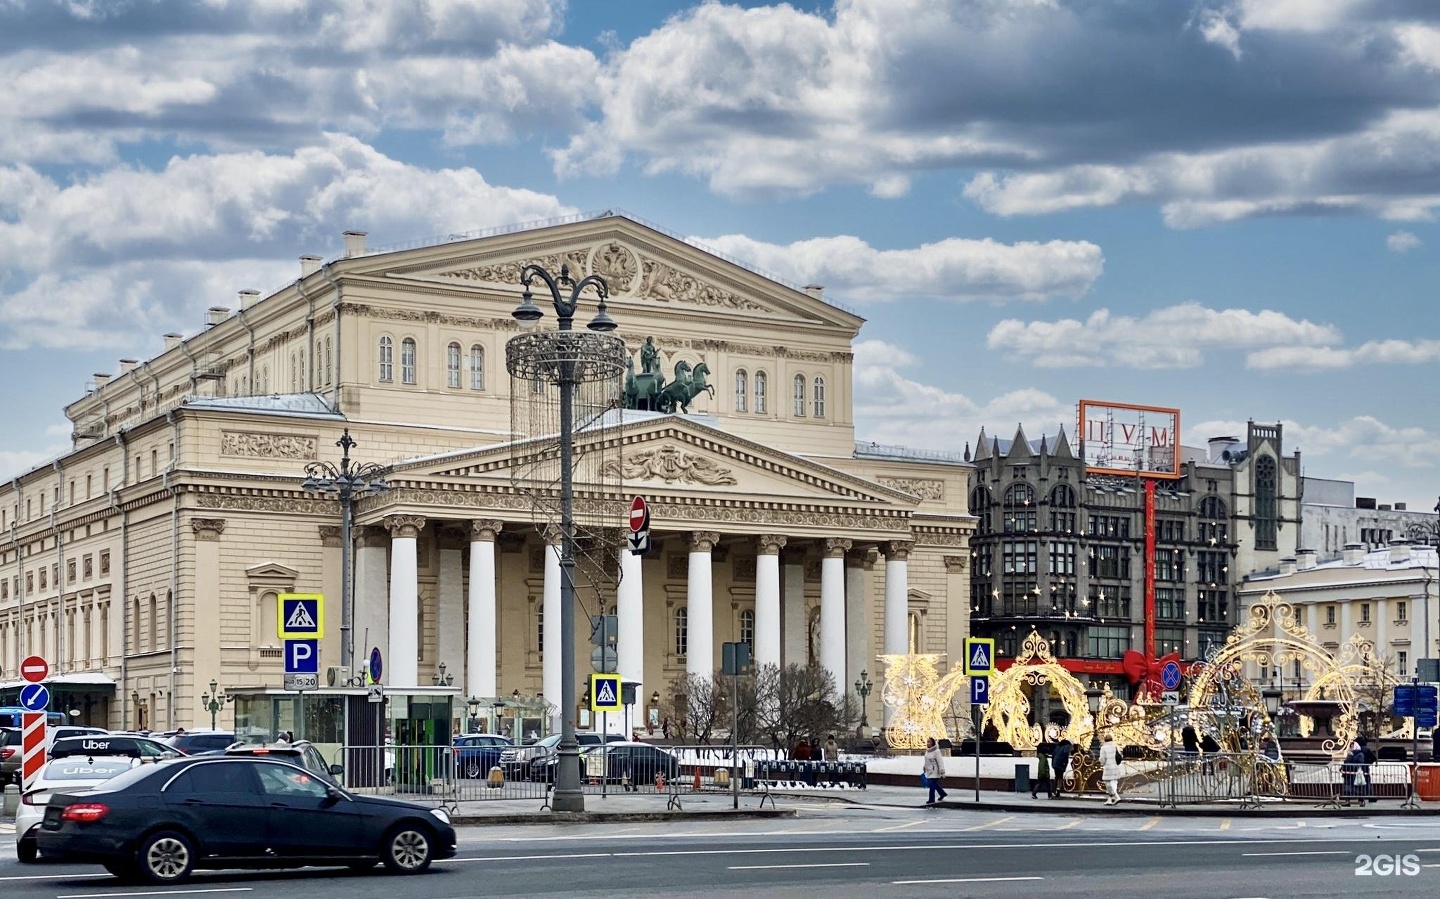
(52,876)
(1149,824)
(898,826)
(785,867)
(968,880)
(156,893)
(995,823)
(1075,823)
(1225,825)
(531,858)
(1316,852)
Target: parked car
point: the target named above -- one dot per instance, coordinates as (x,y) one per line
(631,764)
(158,823)
(542,765)
(301,753)
(69,775)
(127,745)
(71,730)
(476,754)
(9,755)
(192,742)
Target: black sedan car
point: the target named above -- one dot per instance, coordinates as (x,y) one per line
(158,823)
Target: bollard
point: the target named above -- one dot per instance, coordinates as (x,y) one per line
(722,777)
(12,800)
(696,788)
(496,780)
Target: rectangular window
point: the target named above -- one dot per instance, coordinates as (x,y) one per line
(1109,642)
(1110,561)
(87,567)
(1400,611)
(1110,602)
(1019,521)
(1062,558)
(1170,565)
(1020,597)
(1212,568)
(1170,603)
(1170,639)
(1062,522)
(540,629)
(1330,615)
(1214,606)
(984,560)
(1020,556)
(1364,613)
(1170,530)
(1114,526)
(1402,661)
(70,571)
(104,563)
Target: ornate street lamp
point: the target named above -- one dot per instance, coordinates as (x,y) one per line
(440,678)
(472,705)
(1272,696)
(214,701)
(345,482)
(565,358)
(863,686)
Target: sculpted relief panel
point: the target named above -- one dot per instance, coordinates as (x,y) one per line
(925,488)
(267,446)
(671,464)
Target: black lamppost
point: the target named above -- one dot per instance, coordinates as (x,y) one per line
(345,482)
(863,687)
(214,701)
(472,705)
(440,678)
(565,358)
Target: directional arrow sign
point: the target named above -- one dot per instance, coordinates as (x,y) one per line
(34,698)
(638,543)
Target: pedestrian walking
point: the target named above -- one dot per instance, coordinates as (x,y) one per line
(665,727)
(933,771)
(1042,772)
(1211,748)
(832,750)
(1059,764)
(1110,760)
(1350,769)
(1367,760)
(1189,741)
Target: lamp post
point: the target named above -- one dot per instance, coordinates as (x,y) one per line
(863,686)
(472,705)
(440,678)
(345,482)
(214,701)
(565,358)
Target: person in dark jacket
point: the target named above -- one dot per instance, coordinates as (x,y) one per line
(1211,748)
(1190,741)
(1059,764)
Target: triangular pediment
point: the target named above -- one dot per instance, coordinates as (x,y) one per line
(665,454)
(272,572)
(637,262)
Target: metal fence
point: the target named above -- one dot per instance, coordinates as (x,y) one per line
(757,771)
(1252,779)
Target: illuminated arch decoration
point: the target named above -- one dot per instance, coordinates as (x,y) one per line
(919,696)
(1009,707)
(1274,636)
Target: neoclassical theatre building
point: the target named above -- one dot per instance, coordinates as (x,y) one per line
(145,563)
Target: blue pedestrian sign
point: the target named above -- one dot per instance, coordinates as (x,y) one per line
(302,656)
(605,693)
(1170,675)
(301,616)
(979,656)
(979,690)
(34,697)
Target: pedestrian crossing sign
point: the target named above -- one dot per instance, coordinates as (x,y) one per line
(979,656)
(605,693)
(301,616)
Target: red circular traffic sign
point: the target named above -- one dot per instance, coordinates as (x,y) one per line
(34,669)
(639,514)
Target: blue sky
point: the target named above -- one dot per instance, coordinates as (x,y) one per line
(1223,205)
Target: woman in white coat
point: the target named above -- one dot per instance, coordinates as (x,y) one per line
(934,770)
(1110,758)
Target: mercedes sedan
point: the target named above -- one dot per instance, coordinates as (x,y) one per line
(158,823)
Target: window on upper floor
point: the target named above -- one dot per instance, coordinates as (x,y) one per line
(818,397)
(1364,613)
(761,393)
(742,390)
(747,626)
(294,372)
(1400,611)
(980,507)
(1330,615)
(682,631)
(329,360)
(407,361)
(1266,514)
(799,396)
(477,367)
(452,365)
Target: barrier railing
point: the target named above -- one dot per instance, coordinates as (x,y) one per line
(1253,779)
(757,771)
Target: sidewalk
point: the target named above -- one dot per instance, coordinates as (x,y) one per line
(619,807)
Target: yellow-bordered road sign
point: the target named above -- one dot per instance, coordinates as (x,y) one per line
(301,616)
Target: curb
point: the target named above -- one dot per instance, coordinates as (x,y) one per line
(1136,808)
(613,817)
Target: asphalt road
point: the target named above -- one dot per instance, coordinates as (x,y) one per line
(847,851)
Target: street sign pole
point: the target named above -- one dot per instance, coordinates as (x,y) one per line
(1414,747)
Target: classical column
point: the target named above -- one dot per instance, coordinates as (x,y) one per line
(550,647)
(957,610)
(330,560)
(402,663)
(630,610)
(700,613)
(897,596)
(795,623)
(450,603)
(204,616)
(372,607)
(832,609)
(480,620)
(858,618)
(767,600)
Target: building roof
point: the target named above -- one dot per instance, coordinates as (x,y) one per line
(302,405)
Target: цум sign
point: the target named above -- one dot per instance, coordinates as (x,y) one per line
(1129,440)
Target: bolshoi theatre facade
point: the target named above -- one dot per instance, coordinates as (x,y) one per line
(146,562)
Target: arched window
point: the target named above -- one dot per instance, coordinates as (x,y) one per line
(1063,496)
(329,360)
(1020,512)
(1019,496)
(154,623)
(819,397)
(315,359)
(1212,508)
(916,633)
(407,360)
(477,367)
(799,396)
(294,372)
(747,626)
(264,380)
(682,631)
(387,360)
(1265,506)
(980,507)
(761,393)
(742,390)
(452,365)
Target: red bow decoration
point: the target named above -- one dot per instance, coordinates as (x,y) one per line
(1140,670)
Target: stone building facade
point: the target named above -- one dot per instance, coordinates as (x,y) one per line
(147,560)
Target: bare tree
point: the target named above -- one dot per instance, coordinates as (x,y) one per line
(699,706)
(1375,693)
(798,702)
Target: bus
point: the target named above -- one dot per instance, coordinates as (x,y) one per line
(10,717)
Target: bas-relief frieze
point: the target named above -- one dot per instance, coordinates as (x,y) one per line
(298,505)
(925,488)
(420,315)
(671,464)
(267,446)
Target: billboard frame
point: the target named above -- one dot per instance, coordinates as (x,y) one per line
(1170,411)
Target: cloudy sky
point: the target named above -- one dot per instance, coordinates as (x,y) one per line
(1224,205)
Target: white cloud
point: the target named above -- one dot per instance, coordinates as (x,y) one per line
(954,269)
(136,252)
(1402,242)
(1360,441)
(893,407)
(1374,352)
(1172,337)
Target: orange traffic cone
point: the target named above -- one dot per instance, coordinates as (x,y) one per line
(659,781)
(696,788)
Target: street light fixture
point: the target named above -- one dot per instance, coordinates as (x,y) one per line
(863,686)
(440,678)
(1272,696)
(214,701)
(345,482)
(565,358)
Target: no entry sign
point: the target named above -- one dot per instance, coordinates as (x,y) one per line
(639,515)
(34,669)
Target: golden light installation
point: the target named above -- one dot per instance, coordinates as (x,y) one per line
(1009,707)
(919,697)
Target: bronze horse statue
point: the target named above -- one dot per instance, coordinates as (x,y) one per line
(688,384)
